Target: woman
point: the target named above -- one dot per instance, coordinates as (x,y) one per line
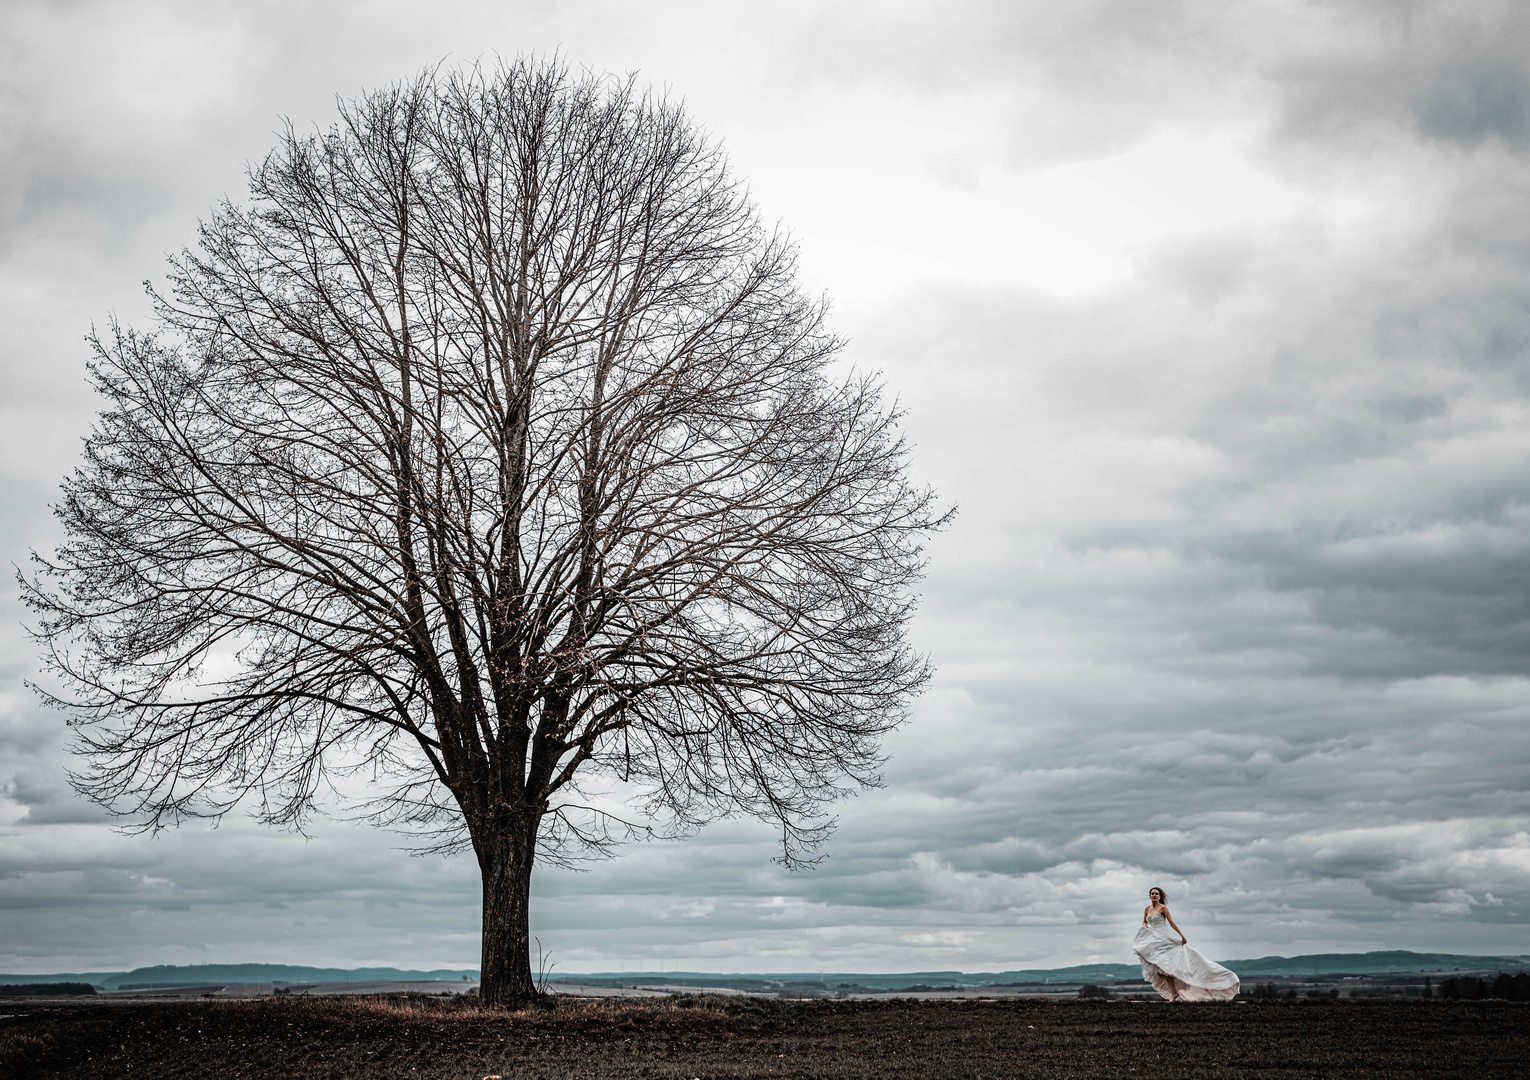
(1176,970)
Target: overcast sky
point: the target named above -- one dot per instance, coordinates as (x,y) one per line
(1213,319)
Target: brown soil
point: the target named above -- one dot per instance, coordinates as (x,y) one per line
(679,1039)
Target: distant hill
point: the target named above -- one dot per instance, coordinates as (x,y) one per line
(1371,963)
(1374,963)
(196,974)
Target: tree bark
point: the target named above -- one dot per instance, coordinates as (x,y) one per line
(505,966)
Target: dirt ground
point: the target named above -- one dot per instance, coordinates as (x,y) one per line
(681,1039)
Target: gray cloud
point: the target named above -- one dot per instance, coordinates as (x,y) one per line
(1450,72)
(1238,602)
(1472,104)
(47,802)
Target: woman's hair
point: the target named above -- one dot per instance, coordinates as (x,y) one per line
(1163,897)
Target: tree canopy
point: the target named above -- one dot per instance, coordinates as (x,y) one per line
(490,450)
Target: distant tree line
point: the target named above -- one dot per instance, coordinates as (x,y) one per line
(1462,988)
(1270,990)
(45,989)
(1506,987)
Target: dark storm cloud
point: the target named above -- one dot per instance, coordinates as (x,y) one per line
(1451,72)
(1410,534)
(47,800)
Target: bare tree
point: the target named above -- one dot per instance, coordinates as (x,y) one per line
(489,449)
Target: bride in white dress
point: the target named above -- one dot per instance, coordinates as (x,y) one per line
(1177,971)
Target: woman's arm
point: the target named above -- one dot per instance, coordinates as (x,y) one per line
(1145,913)
(1182,939)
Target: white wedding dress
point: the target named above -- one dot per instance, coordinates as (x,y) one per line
(1178,971)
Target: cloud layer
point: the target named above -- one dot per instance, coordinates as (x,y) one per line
(1213,321)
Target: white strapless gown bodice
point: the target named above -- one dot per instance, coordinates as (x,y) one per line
(1178,971)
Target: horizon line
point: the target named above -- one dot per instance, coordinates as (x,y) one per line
(813,973)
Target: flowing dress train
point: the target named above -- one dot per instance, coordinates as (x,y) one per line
(1178,971)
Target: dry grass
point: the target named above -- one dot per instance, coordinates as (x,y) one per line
(424,1038)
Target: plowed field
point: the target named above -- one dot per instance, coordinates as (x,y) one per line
(420,1038)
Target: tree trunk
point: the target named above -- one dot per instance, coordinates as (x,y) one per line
(506,962)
